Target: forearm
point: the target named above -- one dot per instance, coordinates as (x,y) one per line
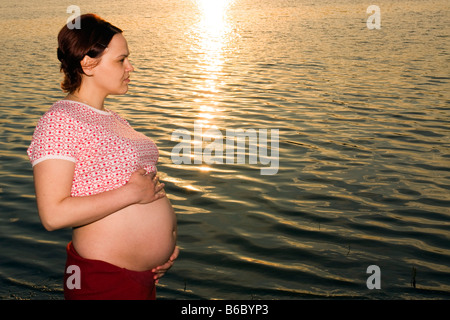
(58,209)
(79,211)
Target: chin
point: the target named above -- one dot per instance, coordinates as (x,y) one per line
(125,90)
(121,91)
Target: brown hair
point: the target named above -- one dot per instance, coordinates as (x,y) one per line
(90,39)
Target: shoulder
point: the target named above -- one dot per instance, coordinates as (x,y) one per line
(58,110)
(58,116)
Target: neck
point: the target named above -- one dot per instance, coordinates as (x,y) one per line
(90,98)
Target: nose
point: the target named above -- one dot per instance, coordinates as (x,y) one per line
(130,67)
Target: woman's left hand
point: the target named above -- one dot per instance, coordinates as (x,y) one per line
(161,270)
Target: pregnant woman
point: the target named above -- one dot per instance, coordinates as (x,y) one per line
(94,173)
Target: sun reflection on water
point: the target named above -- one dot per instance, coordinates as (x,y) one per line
(211,35)
(214,17)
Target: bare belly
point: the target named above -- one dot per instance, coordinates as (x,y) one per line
(138,237)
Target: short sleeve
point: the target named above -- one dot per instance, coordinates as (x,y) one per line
(53,138)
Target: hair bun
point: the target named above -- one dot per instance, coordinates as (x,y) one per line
(61,55)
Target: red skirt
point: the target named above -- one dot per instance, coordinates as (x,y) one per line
(86,279)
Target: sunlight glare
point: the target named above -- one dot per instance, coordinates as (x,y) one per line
(213,14)
(211,37)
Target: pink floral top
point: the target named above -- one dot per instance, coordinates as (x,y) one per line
(106,150)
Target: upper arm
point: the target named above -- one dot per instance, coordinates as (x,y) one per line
(53,183)
(53,152)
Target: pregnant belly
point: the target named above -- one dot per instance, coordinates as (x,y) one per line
(139,237)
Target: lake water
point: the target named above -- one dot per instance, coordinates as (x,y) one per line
(364,150)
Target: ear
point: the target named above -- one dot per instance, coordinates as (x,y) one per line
(88,64)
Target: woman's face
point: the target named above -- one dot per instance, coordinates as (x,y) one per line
(111,75)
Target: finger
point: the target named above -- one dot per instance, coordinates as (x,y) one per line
(160,195)
(149,174)
(175,254)
(159,187)
(156,278)
(141,171)
(162,269)
(158,275)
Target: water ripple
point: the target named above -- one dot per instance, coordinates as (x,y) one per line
(363,118)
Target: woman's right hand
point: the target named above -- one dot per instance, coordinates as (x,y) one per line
(146,186)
